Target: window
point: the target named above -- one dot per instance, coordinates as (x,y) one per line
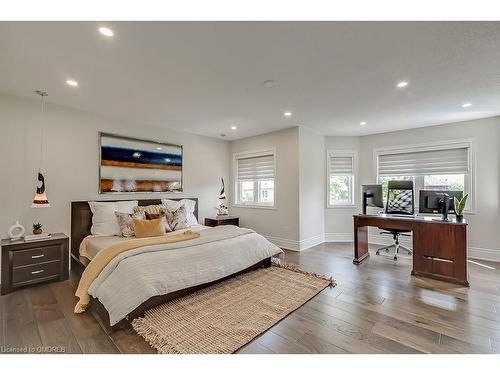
(255,173)
(431,167)
(340,178)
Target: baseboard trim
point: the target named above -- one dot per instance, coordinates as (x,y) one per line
(311,241)
(284,243)
(483,254)
(295,245)
(379,239)
(339,237)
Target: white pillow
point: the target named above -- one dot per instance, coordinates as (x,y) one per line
(187,203)
(104,221)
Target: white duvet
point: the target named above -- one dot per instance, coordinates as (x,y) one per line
(139,274)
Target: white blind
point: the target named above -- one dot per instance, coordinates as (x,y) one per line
(341,165)
(256,168)
(449,161)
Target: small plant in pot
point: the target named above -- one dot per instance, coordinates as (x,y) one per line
(37,228)
(460,207)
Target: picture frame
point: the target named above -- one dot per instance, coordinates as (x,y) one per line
(134,165)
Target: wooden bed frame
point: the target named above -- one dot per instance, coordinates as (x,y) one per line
(81,222)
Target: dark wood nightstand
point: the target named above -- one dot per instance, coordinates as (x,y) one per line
(26,263)
(222,220)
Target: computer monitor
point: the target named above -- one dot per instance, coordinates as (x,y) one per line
(372,196)
(432,201)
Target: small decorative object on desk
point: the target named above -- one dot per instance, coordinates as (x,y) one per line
(16,231)
(37,228)
(460,207)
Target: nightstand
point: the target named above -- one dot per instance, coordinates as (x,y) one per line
(222,220)
(33,262)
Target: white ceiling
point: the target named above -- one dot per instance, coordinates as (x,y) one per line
(203,77)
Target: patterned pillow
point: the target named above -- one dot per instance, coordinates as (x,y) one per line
(157,209)
(163,213)
(126,222)
(151,209)
(179,219)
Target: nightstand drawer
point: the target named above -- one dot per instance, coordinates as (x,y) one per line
(227,222)
(36,272)
(35,256)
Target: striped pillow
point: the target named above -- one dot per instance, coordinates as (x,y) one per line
(157,210)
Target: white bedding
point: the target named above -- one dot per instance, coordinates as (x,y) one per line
(91,245)
(137,275)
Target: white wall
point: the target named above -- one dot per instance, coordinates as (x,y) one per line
(280,225)
(312,188)
(484,233)
(338,221)
(484,224)
(71,162)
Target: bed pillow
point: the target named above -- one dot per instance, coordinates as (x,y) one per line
(163,213)
(179,219)
(149,228)
(188,203)
(104,221)
(126,222)
(156,209)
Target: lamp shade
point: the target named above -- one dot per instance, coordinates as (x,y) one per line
(40,200)
(222,194)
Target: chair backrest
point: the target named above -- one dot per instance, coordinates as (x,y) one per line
(400,198)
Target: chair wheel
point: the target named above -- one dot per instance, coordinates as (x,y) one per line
(409,252)
(386,250)
(395,258)
(378,252)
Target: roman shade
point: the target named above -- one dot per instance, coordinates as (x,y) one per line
(446,161)
(256,168)
(341,165)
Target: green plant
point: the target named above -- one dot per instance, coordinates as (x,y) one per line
(37,226)
(460,204)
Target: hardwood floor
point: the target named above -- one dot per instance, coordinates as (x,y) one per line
(376,307)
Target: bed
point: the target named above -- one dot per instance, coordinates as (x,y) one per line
(218,254)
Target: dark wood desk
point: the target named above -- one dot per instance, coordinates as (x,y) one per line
(439,247)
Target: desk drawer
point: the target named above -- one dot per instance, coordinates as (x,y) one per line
(36,255)
(36,272)
(438,266)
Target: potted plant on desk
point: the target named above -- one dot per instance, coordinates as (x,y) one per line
(37,228)
(460,207)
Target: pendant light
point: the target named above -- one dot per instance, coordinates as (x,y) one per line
(222,194)
(40,200)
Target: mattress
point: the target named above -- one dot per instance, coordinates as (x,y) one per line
(91,245)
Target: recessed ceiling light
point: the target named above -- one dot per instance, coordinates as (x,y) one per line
(159,148)
(402,84)
(234,127)
(270,83)
(362,123)
(466,105)
(287,114)
(71,82)
(106,31)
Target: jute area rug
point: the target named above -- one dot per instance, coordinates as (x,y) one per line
(224,317)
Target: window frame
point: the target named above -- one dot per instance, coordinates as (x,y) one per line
(235,187)
(354,177)
(469,179)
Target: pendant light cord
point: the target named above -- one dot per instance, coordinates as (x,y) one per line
(41,132)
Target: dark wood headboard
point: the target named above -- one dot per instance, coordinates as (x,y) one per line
(81,219)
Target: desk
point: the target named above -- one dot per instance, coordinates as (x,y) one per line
(439,247)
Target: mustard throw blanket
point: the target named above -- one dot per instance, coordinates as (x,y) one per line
(106,255)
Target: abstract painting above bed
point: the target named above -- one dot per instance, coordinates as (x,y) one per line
(129,165)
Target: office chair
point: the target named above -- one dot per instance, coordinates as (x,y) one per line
(400,201)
